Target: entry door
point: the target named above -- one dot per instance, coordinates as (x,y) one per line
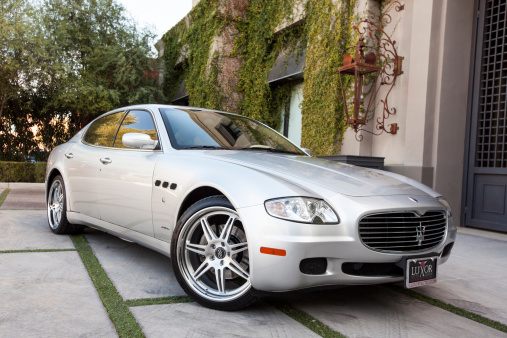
(125,187)
(486,193)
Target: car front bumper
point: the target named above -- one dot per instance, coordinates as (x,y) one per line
(336,243)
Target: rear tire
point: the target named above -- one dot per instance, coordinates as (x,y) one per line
(57,209)
(209,254)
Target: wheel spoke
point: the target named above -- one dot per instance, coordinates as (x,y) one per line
(238,269)
(197,248)
(237,248)
(52,199)
(208,232)
(201,270)
(220,276)
(60,199)
(226,231)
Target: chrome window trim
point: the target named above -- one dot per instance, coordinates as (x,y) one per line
(397,252)
(126,112)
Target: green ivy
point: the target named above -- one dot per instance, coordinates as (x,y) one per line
(330,36)
(194,37)
(259,47)
(326,32)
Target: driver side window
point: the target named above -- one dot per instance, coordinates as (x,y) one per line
(136,121)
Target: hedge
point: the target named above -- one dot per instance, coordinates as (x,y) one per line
(22,172)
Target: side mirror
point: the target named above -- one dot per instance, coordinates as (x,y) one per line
(308,151)
(139,141)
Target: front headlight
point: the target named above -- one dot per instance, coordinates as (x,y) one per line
(446,205)
(302,209)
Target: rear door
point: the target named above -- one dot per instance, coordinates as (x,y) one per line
(125,177)
(82,164)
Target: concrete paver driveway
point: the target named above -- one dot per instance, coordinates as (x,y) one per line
(45,290)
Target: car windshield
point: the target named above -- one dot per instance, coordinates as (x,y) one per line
(192,129)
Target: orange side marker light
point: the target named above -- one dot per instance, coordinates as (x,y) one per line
(271,251)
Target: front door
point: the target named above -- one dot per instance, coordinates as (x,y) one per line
(125,177)
(486,190)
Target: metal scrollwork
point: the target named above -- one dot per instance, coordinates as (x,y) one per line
(380,43)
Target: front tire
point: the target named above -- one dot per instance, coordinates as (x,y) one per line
(57,209)
(209,254)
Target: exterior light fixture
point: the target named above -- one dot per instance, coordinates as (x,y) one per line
(358,67)
(361,66)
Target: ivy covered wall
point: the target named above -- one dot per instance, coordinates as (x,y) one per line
(225,49)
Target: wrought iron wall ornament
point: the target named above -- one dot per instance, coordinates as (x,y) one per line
(381,44)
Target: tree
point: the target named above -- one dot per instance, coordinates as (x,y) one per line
(64,63)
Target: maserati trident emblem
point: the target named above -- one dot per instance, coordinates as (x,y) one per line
(420,229)
(413,199)
(220,253)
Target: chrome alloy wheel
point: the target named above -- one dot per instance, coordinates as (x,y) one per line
(213,254)
(55,204)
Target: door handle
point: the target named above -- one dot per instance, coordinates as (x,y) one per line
(106,160)
(69,155)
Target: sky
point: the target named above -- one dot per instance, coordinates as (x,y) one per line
(161,15)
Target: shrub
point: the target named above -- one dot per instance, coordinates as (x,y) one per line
(22,172)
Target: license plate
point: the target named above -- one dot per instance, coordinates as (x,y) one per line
(420,271)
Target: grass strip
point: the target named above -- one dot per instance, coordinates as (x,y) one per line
(451,308)
(3,196)
(313,324)
(118,311)
(158,301)
(36,250)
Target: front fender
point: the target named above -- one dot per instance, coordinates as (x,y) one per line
(243,186)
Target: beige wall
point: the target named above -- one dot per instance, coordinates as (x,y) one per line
(430,97)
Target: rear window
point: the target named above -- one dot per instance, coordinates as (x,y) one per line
(102,131)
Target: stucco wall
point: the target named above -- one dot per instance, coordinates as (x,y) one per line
(430,97)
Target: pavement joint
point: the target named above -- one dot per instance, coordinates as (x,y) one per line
(3,196)
(36,250)
(451,308)
(302,317)
(158,301)
(122,317)
(117,309)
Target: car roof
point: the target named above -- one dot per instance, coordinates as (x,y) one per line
(157,106)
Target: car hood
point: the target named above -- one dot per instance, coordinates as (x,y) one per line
(338,177)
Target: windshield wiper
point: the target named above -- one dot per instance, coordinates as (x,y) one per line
(272,150)
(202,147)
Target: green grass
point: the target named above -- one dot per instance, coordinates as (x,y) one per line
(451,308)
(313,324)
(36,250)
(3,196)
(117,309)
(158,301)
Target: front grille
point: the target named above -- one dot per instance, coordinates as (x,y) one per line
(403,231)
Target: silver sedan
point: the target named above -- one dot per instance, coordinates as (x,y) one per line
(240,209)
